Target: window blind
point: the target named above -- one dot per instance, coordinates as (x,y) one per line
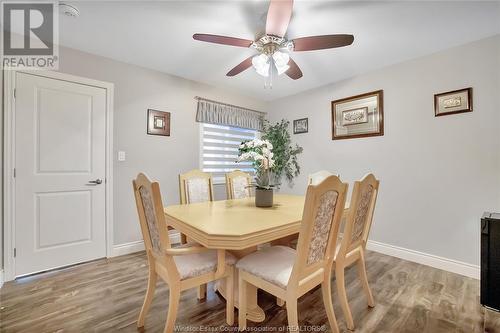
(219,150)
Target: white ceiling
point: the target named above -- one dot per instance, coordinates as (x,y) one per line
(158,35)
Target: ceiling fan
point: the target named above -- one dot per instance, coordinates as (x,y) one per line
(273,47)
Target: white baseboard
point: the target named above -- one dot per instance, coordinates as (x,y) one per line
(126,248)
(1,278)
(446,264)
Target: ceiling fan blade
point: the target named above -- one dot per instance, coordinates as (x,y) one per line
(225,40)
(294,71)
(322,42)
(245,64)
(278,17)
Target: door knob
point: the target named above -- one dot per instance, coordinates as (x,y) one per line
(95,182)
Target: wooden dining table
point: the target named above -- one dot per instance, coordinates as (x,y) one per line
(238,226)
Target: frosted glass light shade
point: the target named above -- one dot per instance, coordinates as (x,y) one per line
(281,60)
(261,64)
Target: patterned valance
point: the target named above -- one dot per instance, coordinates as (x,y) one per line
(226,114)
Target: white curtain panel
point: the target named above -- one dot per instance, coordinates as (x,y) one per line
(231,115)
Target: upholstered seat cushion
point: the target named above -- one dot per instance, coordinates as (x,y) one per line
(273,264)
(192,265)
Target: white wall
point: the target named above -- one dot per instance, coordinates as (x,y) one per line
(162,158)
(437,175)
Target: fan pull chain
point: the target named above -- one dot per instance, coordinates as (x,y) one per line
(268,83)
(271,74)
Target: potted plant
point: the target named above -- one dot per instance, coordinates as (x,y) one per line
(260,153)
(285,152)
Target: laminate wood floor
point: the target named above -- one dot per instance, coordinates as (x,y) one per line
(106,296)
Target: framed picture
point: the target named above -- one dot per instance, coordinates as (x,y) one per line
(453,102)
(158,122)
(300,126)
(358,116)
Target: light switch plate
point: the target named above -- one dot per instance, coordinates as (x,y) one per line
(121,156)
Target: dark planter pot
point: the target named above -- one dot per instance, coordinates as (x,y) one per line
(263,197)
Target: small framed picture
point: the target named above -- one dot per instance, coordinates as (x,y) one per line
(358,116)
(158,122)
(453,102)
(300,126)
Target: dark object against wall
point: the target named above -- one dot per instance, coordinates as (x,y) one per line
(453,102)
(300,125)
(358,116)
(158,123)
(490,261)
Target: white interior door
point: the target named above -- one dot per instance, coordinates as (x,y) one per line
(60,163)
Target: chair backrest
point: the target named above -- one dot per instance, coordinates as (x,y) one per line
(323,209)
(195,186)
(237,184)
(318,177)
(360,217)
(151,216)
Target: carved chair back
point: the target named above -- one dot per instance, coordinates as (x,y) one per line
(360,217)
(195,186)
(323,209)
(237,184)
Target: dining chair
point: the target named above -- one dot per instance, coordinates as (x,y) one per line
(318,177)
(238,185)
(353,245)
(287,273)
(184,267)
(195,186)
(291,241)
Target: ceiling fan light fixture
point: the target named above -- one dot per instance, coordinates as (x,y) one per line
(273,47)
(281,60)
(261,64)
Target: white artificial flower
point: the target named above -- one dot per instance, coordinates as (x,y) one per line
(267,144)
(250,156)
(265,155)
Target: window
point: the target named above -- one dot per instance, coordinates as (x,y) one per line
(219,150)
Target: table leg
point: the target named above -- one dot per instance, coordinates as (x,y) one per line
(254,311)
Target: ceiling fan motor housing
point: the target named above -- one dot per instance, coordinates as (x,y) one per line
(269,44)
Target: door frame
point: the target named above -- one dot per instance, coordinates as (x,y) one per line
(9,230)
